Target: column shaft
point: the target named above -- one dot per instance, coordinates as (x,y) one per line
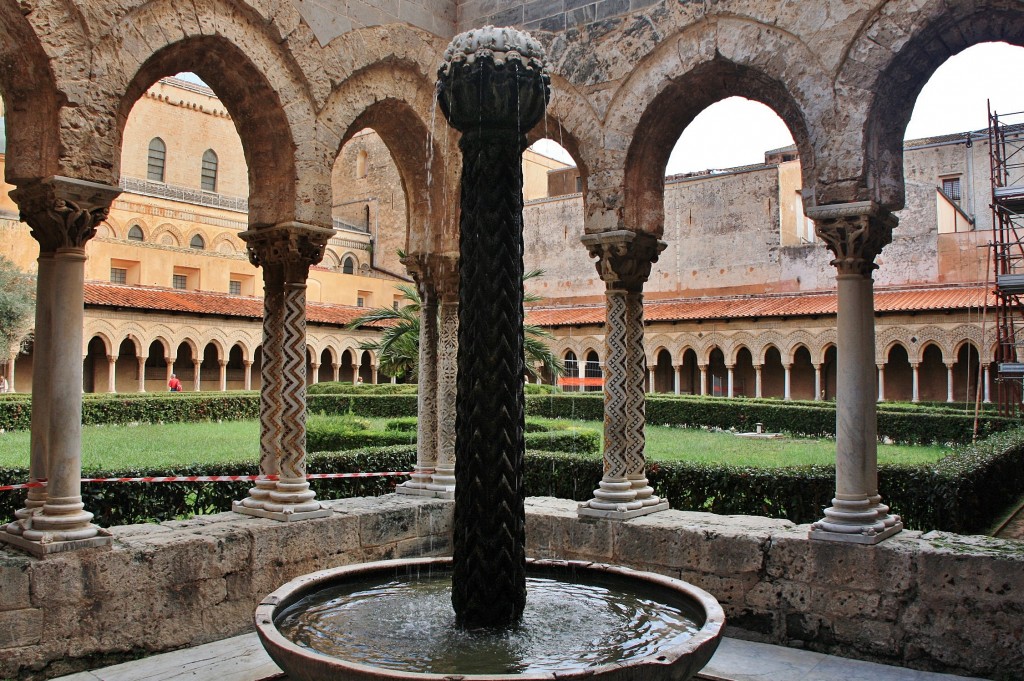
(443,479)
(197,368)
(787,394)
(817,383)
(247,377)
(111,374)
(677,378)
(426,428)
(985,385)
(949,382)
(757,380)
(703,379)
(729,380)
(915,390)
(881,382)
(142,374)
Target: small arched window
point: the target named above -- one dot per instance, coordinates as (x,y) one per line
(135,233)
(361,163)
(208,181)
(157,160)
(197,242)
(348,266)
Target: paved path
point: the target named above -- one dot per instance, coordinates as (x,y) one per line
(243,659)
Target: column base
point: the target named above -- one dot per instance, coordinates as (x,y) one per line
(586,511)
(45,547)
(868,536)
(432,491)
(284,515)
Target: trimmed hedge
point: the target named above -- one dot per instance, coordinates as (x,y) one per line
(349,388)
(130,503)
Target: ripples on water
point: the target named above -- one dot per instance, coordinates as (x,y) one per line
(410,626)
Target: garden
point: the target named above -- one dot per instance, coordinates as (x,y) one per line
(929,471)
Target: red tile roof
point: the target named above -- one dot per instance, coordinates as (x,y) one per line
(100,294)
(771,305)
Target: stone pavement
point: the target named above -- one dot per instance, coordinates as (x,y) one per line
(242,658)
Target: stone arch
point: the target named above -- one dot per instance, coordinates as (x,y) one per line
(223,243)
(255,77)
(570,120)
(891,336)
(711,341)
(331,260)
(652,346)
(885,67)
(147,233)
(201,233)
(738,342)
(794,341)
(395,98)
(931,335)
(172,232)
(707,62)
(105,335)
(33,104)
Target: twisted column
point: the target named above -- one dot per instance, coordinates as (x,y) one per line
(624,262)
(426,407)
(63,214)
(285,252)
(856,234)
(493,88)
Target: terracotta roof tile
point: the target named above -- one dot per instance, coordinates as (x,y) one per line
(790,305)
(101,294)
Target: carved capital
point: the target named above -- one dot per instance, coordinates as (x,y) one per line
(854,232)
(624,258)
(293,247)
(63,212)
(435,274)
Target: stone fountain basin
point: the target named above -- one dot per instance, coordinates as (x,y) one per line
(677,662)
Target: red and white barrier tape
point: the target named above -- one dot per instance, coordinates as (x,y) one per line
(210,478)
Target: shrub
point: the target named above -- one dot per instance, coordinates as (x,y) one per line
(349,388)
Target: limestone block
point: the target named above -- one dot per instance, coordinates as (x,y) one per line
(873,638)
(15,582)
(22,627)
(286,543)
(57,580)
(949,571)
(731,591)
(553,530)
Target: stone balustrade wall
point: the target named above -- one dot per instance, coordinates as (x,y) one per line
(931,601)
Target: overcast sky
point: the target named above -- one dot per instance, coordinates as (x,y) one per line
(736,131)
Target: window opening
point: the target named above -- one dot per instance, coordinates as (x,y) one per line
(118,275)
(135,234)
(208,181)
(235,287)
(157,159)
(198,242)
(179,281)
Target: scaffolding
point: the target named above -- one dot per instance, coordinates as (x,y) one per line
(1006,156)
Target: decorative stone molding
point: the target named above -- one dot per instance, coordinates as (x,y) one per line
(63,212)
(295,246)
(854,232)
(624,258)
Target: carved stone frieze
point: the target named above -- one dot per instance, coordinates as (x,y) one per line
(63,212)
(624,258)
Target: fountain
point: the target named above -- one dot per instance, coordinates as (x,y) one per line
(390,619)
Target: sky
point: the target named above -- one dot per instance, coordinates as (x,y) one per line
(737,131)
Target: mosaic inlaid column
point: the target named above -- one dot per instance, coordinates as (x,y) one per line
(855,233)
(443,479)
(426,408)
(63,214)
(287,251)
(624,262)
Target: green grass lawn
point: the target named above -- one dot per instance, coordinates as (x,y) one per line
(157,446)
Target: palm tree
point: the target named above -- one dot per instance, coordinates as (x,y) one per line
(398,348)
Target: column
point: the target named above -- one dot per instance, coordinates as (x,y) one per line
(447,280)
(336,369)
(314,367)
(223,376)
(703,378)
(916,393)
(581,372)
(818,397)
(881,382)
(285,252)
(9,374)
(729,378)
(985,384)
(247,377)
(855,233)
(111,373)
(757,380)
(624,262)
(142,373)
(197,366)
(170,369)
(355,369)
(787,395)
(949,382)
(650,381)
(63,214)
(677,378)
(373,374)
(426,429)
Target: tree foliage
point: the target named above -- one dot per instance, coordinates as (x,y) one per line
(17,306)
(398,348)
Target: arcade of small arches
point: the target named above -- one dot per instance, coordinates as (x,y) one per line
(928,365)
(846,89)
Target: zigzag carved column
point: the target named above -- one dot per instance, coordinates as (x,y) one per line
(290,248)
(426,429)
(856,234)
(624,262)
(447,277)
(270,390)
(63,214)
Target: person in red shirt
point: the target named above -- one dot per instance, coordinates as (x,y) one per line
(174,384)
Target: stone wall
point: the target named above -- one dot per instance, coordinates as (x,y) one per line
(934,601)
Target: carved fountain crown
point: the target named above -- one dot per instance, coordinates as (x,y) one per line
(493,79)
